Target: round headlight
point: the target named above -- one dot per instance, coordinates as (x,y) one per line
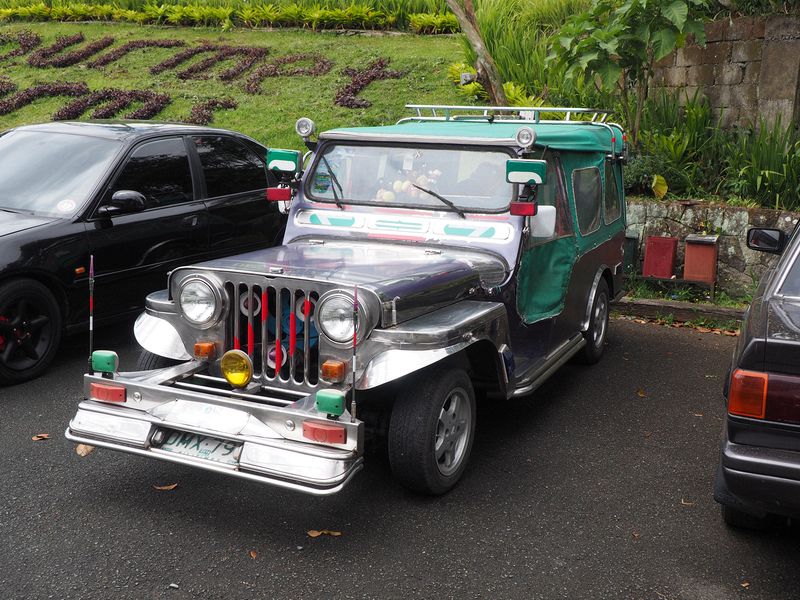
(304,127)
(198,302)
(237,368)
(335,318)
(525,137)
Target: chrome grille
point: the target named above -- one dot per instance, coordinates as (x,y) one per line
(275,324)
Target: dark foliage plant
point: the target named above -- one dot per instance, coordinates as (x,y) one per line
(250,55)
(203,112)
(51,55)
(26,96)
(347,96)
(112,102)
(279,67)
(25,39)
(128,47)
(6,86)
(181,57)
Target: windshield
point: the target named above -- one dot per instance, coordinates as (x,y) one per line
(51,173)
(472,179)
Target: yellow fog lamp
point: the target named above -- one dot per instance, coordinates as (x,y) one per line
(237,368)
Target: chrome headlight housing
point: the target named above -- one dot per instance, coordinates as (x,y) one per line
(335,317)
(200,302)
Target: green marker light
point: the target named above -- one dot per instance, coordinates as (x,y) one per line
(330,402)
(105,361)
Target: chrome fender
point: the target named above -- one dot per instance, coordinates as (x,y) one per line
(401,350)
(159,337)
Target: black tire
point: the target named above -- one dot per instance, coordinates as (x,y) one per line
(738,519)
(425,454)
(595,335)
(31,327)
(148,361)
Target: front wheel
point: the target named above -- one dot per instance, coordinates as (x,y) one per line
(30,330)
(595,335)
(431,430)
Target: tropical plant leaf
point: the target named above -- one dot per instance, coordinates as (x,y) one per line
(677,12)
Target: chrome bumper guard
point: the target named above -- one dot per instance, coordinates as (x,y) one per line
(271,448)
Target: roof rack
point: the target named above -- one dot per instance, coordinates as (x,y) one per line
(444,112)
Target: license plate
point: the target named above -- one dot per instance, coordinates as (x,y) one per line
(201,446)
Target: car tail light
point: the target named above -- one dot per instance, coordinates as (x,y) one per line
(748,394)
(523,209)
(325,433)
(107,392)
(279,194)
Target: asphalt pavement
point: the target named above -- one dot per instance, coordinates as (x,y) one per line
(596,486)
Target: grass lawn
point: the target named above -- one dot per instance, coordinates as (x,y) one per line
(268,116)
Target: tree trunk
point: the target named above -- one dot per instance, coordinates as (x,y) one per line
(488,75)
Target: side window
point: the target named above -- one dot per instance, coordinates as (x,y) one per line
(554,193)
(611,199)
(229,167)
(160,171)
(791,285)
(587,190)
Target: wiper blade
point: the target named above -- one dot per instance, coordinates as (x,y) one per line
(335,182)
(443,199)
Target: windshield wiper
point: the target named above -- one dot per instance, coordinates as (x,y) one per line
(443,199)
(336,183)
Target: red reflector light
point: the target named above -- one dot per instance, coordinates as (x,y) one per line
(279,194)
(748,394)
(107,393)
(523,209)
(326,433)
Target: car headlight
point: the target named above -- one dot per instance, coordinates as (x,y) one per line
(335,318)
(199,303)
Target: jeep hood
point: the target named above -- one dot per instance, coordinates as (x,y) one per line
(414,278)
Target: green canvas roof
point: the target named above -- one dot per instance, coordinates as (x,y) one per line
(563,135)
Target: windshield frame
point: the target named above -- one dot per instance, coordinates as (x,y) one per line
(92,191)
(326,144)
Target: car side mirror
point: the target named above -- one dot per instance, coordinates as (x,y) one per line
(766,240)
(526,171)
(123,201)
(543,225)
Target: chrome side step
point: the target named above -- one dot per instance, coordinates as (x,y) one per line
(552,363)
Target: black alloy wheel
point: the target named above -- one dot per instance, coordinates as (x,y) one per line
(30,330)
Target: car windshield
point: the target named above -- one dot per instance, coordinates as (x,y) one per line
(471,179)
(51,173)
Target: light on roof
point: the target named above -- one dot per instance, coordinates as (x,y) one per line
(525,137)
(304,127)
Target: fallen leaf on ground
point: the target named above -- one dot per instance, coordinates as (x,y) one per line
(165,488)
(641,393)
(41,436)
(316,533)
(636,535)
(704,329)
(648,433)
(84,450)
(698,414)
(253,554)
(686,503)
(745,584)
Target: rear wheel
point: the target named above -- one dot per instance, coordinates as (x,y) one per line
(30,330)
(431,430)
(595,335)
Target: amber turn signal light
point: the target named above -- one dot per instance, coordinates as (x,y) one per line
(204,350)
(333,371)
(748,394)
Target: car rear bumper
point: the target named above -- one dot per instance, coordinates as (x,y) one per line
(758,480)
(268,440)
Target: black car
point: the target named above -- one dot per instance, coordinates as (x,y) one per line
(758,479)
(141,198)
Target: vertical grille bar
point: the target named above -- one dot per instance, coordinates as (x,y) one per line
(306,330)
(278,332)
(236,326)
(251,300)
(264,337)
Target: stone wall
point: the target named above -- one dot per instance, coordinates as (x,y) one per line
(750,66)
(738,267)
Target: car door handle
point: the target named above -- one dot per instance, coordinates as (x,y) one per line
(190,221)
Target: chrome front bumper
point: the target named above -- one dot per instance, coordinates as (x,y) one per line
(271,448)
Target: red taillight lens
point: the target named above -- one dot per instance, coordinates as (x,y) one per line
(523,209)
(279,194)
(107,393)
(324,433)
(748,394)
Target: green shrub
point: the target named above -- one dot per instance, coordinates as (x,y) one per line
(433,23)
